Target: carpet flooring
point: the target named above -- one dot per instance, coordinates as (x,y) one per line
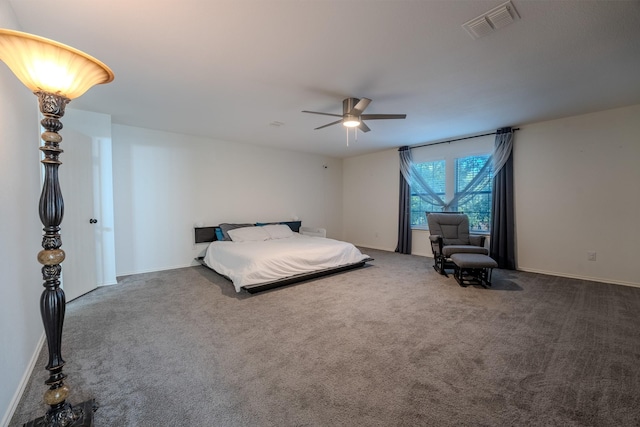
(392,344)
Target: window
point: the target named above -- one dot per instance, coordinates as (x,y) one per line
(477,202)
(449,179)
(434,174)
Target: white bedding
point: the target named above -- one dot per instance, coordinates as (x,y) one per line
(253,262)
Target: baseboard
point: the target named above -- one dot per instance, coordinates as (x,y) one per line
(115,282)
(23,383)
(416,253)
(576,276)
(533,270)
(119,275)
(423,254)
(374,247)
(530,270)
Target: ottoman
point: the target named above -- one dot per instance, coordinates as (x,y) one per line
(473,269)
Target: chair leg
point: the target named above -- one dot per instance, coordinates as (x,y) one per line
(438,265)
(457,274)
(473,276)
(487,276)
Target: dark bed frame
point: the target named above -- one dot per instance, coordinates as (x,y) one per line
(208,234)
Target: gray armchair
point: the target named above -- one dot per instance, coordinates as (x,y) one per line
(450,235)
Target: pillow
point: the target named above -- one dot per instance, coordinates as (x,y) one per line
(278,231)
(293,225)
(248,234)
(219,235)
(225,227)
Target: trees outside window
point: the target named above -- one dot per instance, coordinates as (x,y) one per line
(477,203)
(454,179)
(435,174)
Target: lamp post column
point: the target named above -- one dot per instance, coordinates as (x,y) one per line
(52,301)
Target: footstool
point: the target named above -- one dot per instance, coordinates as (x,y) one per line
(473,269)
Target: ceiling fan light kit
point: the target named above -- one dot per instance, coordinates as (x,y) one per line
(352,114)
(351,121)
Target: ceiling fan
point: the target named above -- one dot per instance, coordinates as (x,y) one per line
(352,109)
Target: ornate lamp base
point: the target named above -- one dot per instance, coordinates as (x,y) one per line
(80,415)
(52,301)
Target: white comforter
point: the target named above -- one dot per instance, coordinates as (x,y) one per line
(249,263)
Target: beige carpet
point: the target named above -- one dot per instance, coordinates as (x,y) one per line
(393,344)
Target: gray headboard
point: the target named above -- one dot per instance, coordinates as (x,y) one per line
(208,234)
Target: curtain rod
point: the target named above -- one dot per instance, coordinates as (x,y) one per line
(458,139)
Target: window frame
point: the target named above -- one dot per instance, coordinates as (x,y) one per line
(449,152)
(425,226)
(488,192)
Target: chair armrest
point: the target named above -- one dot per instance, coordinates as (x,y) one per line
(436,244)
(477,239)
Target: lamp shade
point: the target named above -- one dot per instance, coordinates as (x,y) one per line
(45,65)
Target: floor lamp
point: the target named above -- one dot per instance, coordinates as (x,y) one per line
(56,74)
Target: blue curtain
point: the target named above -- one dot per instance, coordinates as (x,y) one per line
(502,246)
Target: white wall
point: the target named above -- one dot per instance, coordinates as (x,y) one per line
(576,185)
(577,189)
(370,194)
(20,232)
(164,183)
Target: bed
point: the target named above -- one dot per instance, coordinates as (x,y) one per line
(257,257)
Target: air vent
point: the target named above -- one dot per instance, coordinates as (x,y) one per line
(494,19)
(479,27)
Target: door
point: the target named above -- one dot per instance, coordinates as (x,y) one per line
(78,230)
(86,183)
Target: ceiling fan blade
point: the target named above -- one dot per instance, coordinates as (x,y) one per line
(324,114)
(382,116)
(330,124)
(363,127)
(360,107)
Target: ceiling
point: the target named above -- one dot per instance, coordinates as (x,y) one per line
(242,70)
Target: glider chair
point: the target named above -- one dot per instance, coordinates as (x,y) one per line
(450,235)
